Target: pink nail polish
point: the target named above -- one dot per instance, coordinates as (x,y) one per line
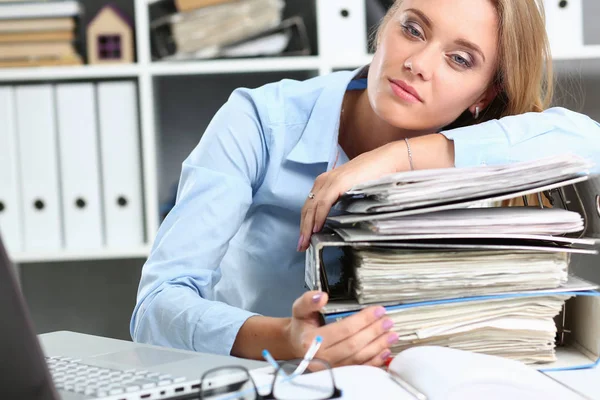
(300,242)
(317,297)
(386,354)
(315,229)
(379,312)
(393,338)
(387,324)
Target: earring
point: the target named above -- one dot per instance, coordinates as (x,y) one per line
(408,65)
(476,112)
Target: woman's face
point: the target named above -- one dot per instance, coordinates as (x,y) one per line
(435,59)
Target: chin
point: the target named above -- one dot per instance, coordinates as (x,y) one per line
(408,119)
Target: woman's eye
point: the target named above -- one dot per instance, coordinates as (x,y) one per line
(411,30)
(462,61)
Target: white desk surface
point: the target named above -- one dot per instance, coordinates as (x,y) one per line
(584,381)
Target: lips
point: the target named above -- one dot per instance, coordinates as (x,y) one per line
(404,90)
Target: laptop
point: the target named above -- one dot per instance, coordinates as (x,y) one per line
(86,366)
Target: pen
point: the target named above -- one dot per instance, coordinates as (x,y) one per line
(406,386)
(269,358)
(312,350)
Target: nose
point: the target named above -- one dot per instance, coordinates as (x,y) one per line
(422,62)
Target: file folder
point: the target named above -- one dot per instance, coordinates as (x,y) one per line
(36,124)
(344,27)
(561,15)
(584,198)
(579,332)
(578,338)
(121,164)
(79,166)
(10,202)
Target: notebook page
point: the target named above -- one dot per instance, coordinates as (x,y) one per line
(443,373)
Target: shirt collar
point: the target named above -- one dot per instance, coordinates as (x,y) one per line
(317,143)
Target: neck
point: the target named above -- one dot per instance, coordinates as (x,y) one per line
(361,130)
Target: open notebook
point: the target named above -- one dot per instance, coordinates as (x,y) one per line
(428,373)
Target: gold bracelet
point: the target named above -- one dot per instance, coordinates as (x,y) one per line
(410,160)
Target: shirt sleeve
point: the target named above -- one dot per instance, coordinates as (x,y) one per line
(215,191)
(526,137)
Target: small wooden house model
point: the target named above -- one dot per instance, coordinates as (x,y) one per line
(110,37)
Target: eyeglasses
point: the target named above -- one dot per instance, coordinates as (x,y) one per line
(235,382)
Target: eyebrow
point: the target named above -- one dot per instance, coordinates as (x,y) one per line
(420,14)
(470,45)
(460,42)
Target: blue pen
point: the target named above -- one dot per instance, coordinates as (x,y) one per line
(269,358)
(312,350)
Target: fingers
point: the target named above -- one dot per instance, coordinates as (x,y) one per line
(375,353)
(364,345)
(307,224)
(323,207)
(307,214)
(379,359)
(349,326)
(309,303)
(316,210)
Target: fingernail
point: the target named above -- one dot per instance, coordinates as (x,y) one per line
(387,324)
(315,229)
(386,354)
(393,338)
(300,242)
(317,297)
(379,312)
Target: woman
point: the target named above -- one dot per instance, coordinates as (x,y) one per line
(224,275)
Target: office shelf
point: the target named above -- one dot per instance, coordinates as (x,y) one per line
(83,255)
(583,53)
(164,68)
(77,72)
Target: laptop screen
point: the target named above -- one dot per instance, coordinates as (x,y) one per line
(23,371)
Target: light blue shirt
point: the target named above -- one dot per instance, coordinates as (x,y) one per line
(227,249)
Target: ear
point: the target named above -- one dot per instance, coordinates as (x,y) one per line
(485,99)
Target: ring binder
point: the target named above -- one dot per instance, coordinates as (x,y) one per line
(410,241)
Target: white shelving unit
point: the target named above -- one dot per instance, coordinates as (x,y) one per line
(23,258)
(147,74)
(68,73)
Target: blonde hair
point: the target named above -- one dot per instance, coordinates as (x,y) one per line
(524,78)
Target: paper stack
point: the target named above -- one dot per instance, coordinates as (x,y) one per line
(200,29)
(383,274)
(39,33)
(451,273)
(519,328)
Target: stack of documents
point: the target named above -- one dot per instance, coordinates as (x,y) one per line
(451,271)
(500,220)
(385,274)
(520,328)
(438,189)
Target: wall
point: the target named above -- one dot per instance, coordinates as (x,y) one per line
(97,297)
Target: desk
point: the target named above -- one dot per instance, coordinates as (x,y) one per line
(586,381)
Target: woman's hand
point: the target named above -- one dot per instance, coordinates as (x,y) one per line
(330,185)
(362,338)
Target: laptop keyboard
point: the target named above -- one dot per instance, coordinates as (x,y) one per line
(71,375)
